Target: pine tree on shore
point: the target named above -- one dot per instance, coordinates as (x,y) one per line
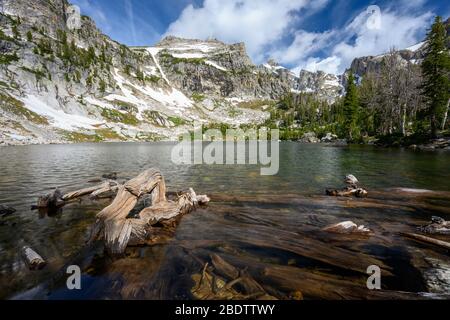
(436,73)
(351,105)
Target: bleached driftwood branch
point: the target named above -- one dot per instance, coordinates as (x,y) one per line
(115,226)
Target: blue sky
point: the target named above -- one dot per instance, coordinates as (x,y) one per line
(311,34)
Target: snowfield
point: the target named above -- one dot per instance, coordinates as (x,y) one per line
(59,118)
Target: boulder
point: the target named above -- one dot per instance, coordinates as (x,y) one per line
(329,138)
(351,179)
(346,227)
(309,137)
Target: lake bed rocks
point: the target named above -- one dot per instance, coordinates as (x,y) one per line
(437,277)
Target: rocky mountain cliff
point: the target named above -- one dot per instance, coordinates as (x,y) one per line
(414,54)
(325,86)
(59,84)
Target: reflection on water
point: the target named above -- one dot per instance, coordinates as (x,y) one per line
(269,225)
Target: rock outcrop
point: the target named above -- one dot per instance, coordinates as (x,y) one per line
(60,84)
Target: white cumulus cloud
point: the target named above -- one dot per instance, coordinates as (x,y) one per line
(257,23)
(265,26)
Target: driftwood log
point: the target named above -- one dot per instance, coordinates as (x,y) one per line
(93,191)
(223,281)
(352,189)
(436,226)
(117,229)
(440,243)
(33,259)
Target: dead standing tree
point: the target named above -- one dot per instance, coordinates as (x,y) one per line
(118,229)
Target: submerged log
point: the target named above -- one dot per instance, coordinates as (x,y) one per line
(437,226)
(106,192)
(225,282)
(347,227)
(116,227)
(33,259)
(347,192)
(6,211)
(440,243)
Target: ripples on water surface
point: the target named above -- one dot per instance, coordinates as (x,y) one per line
(269,225)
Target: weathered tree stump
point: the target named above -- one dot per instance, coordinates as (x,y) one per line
(50,201)
(115,226)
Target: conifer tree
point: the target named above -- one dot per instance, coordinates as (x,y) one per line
(436,73)
(351,105)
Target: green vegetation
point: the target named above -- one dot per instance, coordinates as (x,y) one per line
(255,104)
(40,74)
(150,137)
(79,137)
(177,121)
(387,106)
(108,134)
(196,61)
(14,106)
(152,79)
(8,58)
(44,47)
(4,37)
(198,97)
(351,106)
(119,117)
(15,32)
(99,135)
(436,73)
(167,58)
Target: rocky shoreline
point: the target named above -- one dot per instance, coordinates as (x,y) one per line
(440,144)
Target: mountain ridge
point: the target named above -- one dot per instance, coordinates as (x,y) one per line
(60,85)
